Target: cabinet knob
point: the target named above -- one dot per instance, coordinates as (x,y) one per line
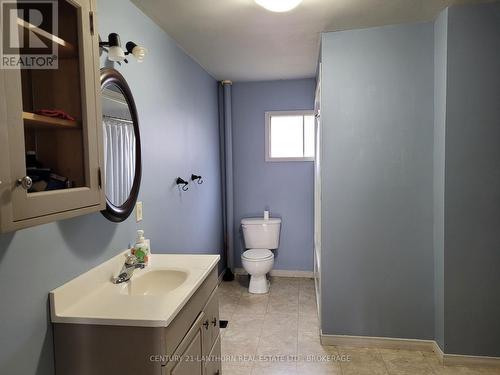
(214,322)
(206,324)
(26,182)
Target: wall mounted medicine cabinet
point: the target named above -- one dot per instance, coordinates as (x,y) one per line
(50,121)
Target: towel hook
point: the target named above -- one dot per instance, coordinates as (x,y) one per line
(184,183)
(196,177)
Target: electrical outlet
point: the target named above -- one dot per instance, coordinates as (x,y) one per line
(138,211)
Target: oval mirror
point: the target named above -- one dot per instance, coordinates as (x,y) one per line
(122,146)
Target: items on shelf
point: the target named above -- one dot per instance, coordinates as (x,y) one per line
(44,179)
(57,113)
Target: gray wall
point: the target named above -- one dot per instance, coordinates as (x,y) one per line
(286,188)
(440,65)
(472,199)
(177,104)
(377,123)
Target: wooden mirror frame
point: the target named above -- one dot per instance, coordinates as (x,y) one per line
(117,214)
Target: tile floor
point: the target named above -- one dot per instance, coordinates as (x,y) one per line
(277,334)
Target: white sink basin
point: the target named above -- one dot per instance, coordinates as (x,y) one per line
(155,282)
(151,298)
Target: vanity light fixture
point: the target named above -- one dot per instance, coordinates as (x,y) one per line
(278,5)
(116,53)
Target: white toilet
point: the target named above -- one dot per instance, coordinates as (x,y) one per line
(261,236)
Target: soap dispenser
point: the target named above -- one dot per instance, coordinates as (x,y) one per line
(141,248)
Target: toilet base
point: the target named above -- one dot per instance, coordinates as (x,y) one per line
(258,285)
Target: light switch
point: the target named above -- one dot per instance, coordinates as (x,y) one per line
(138,211)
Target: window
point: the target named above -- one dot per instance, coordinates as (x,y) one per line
(290,136)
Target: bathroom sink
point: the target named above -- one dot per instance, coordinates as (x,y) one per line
(155,282)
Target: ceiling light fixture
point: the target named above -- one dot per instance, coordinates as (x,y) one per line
(278,5)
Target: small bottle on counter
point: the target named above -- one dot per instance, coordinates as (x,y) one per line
(141,248)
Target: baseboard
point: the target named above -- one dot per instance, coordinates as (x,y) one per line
(437,349)
(378,342)
(281,273)
(470,360)
(410,344)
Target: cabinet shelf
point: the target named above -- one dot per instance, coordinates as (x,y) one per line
(46,122)
(65,48)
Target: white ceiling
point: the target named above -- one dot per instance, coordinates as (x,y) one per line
(240,41)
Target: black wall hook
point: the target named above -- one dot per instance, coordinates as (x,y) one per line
(182,182)
(195,177)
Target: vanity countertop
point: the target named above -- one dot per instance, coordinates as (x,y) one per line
(92,298)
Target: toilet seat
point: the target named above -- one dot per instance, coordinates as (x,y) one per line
(257,255)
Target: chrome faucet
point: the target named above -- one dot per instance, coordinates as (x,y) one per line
(131,263)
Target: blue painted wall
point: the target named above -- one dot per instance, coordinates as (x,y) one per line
(472,181)
(286,188)
(177,104)
(440,67)
(377,182)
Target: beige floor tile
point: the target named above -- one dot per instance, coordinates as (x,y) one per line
(439,369)
(405,362)
(284,286)
(310,348)
(227,306)
(308,323)
(280,323)
(285,280)
(278,345)
(253,304)
(311,368)
(283,303)
(251,322)
(362,361)
(274,368)
(308,308)
(307,293)
(232,369)
(230,288)
(239,347)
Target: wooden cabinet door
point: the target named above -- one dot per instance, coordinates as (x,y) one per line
(213,361)
(190,363)
(188,358)
(61,156)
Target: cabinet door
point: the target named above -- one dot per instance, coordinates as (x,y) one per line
(211,328)
(190,363)
(213,361)
(188,358)
(61,155)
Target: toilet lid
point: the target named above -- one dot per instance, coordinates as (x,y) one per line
(257,254)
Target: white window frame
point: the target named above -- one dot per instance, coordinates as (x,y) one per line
(268,116)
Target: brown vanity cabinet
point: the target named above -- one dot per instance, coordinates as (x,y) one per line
(50,120)
(189,345)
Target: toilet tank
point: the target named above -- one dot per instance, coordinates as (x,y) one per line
(259,233)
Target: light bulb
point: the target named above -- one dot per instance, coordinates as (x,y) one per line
(278,5)
(116,53)
(139,53)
